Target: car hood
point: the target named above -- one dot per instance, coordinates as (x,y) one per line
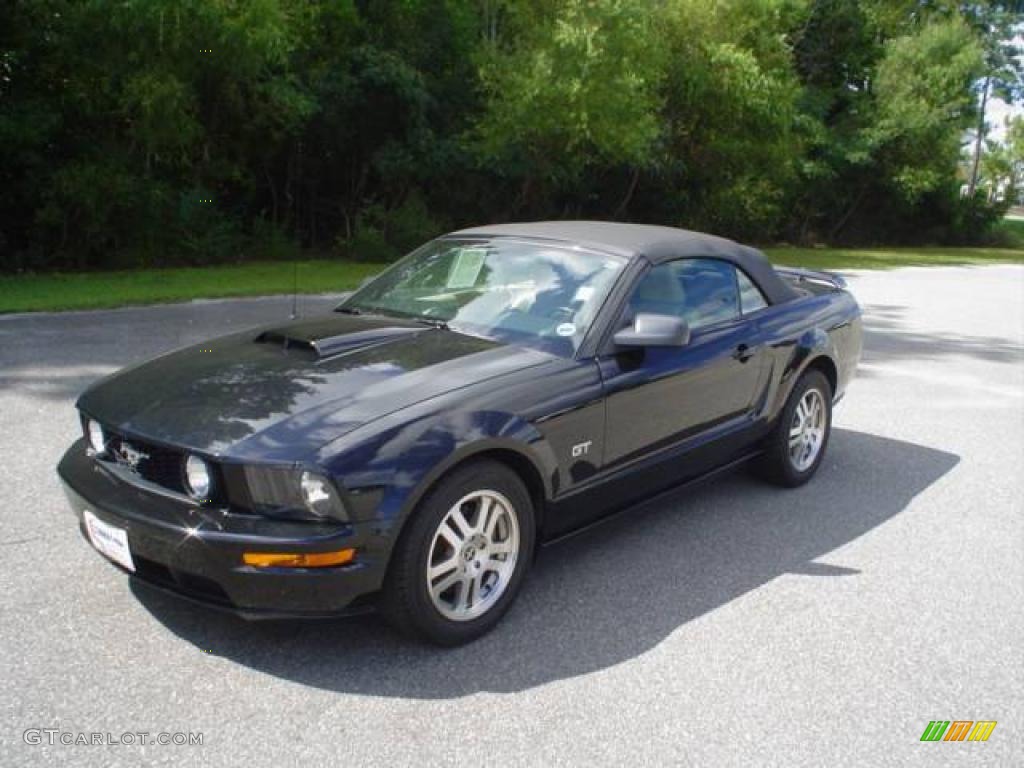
(278,393)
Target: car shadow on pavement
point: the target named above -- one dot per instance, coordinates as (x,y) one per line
(605,596)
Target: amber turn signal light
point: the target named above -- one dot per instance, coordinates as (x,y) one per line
(298,559)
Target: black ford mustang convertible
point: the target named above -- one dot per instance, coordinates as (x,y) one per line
(497,388)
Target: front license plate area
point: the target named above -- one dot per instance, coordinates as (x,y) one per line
(109,540)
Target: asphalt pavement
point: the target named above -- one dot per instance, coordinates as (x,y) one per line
(731,624)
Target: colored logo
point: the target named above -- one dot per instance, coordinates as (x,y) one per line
(958,730)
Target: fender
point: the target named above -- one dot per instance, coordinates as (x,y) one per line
(538,454)
(813,344)
(387,472)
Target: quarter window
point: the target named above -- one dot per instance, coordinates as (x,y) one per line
(751,298)
(701,291)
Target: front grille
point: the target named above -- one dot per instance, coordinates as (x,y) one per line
(159,465)
(155,463)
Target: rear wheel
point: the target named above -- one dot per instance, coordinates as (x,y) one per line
(796,447)
(462,558)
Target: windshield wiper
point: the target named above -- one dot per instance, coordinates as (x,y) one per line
(433,323)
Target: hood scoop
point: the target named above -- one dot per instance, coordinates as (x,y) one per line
(321,347)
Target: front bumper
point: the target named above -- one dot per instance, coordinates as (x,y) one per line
(196,552)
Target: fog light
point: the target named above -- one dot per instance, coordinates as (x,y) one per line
(298,559)
(97,440)
(197,478)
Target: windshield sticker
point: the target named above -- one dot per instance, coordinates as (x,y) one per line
(466,267)
(565,329)
(584,293)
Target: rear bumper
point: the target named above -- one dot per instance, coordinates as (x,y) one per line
(196,552)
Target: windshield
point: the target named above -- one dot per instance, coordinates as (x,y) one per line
(512,290)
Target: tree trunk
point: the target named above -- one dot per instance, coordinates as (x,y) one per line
(624,203)
(849,212)
(273,194)
(973,183)
(522,199)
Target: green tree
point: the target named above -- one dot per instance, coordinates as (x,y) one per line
(576,92)
(146,131)
(1002,165)
(997,23)
(729,149)
(924,105)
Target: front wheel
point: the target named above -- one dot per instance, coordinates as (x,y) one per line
(462,558)
(796,446)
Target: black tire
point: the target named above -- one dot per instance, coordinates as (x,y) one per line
(777,465)
(406,601)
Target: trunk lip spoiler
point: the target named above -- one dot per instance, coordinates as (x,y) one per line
(802,275)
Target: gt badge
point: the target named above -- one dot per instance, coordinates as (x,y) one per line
(580,449)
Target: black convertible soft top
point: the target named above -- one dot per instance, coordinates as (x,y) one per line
(654,243)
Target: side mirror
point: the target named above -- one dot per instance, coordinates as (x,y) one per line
(654,331)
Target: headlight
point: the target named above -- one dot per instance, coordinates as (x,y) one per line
(197,478)
(289,493)
(97,440)
(319,495)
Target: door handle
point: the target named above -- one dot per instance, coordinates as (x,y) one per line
(743,353)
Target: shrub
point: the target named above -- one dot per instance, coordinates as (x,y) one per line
(382,234)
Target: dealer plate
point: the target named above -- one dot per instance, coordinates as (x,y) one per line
(109,540)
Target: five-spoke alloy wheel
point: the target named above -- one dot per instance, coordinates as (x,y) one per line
(462,555)
(473,555)
(795,448)
(807,430)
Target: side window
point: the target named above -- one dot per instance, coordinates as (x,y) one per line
(701,291)
(751,298)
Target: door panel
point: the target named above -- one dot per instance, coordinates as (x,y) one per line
(658,396)
(661,395)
